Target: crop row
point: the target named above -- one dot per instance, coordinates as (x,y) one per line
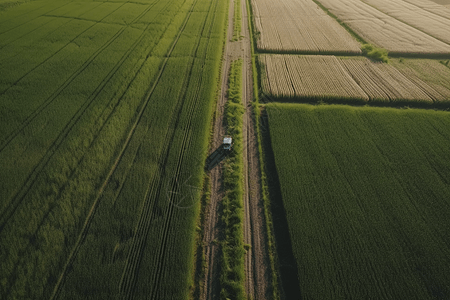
(442,10)
(353,80)
(56,174)
(299,26)
(366,196)
(311,76)
(428,22)
(378,28)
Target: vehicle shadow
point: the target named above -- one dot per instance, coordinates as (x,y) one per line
(215,158)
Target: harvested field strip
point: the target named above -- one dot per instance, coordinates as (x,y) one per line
(385,31)
(366,193)
(384,83)
(282,30)
(430,23)
(433,72)
(308,77)
(353,80)
(432,7)
(62,191)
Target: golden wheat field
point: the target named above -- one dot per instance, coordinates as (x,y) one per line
(299,26)
(354,79)
(383,30)
(429,22)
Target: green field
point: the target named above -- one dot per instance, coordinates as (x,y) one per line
(367,198)
(105,109)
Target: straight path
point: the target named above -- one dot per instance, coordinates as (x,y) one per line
(257,263)
(256,259)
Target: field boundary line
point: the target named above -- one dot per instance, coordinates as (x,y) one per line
(111,171)
(59,50)
(141,228)
(29,20)
(9,211)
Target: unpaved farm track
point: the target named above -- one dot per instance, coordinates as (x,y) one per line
(256,259)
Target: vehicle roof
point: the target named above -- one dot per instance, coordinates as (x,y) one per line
(227,140)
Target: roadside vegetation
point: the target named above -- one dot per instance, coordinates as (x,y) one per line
(237,20)
(366,196)
(232,247)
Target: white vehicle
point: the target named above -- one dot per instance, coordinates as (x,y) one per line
(227,142)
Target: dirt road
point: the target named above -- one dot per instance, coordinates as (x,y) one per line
(256,259)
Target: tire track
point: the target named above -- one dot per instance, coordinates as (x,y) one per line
(98,90)
(211,288)
(49,100)
(131,269)
(20,16)
(31,179)
(88,219)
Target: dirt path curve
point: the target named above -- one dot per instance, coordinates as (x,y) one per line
(256,259)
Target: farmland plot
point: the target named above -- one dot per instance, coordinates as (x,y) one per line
(366,195)
(104,97)
(299,26)
(383,30)
(353,80)
(312,76)
(434,73)
(428,22)
(438,7)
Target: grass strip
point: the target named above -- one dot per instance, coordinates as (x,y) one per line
(232,250)
(237,20)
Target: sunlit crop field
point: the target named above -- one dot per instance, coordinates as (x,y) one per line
(367,199)
(105,110)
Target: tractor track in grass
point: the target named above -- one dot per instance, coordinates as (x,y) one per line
(72,77)
(71,41)
(128,280)
(88,219)
(30,180)
(211,235)
(257,258)
(21,16)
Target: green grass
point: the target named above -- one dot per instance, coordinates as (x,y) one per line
(366,194)
(232,247)
(66,112)
(375,53)
(237,20)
